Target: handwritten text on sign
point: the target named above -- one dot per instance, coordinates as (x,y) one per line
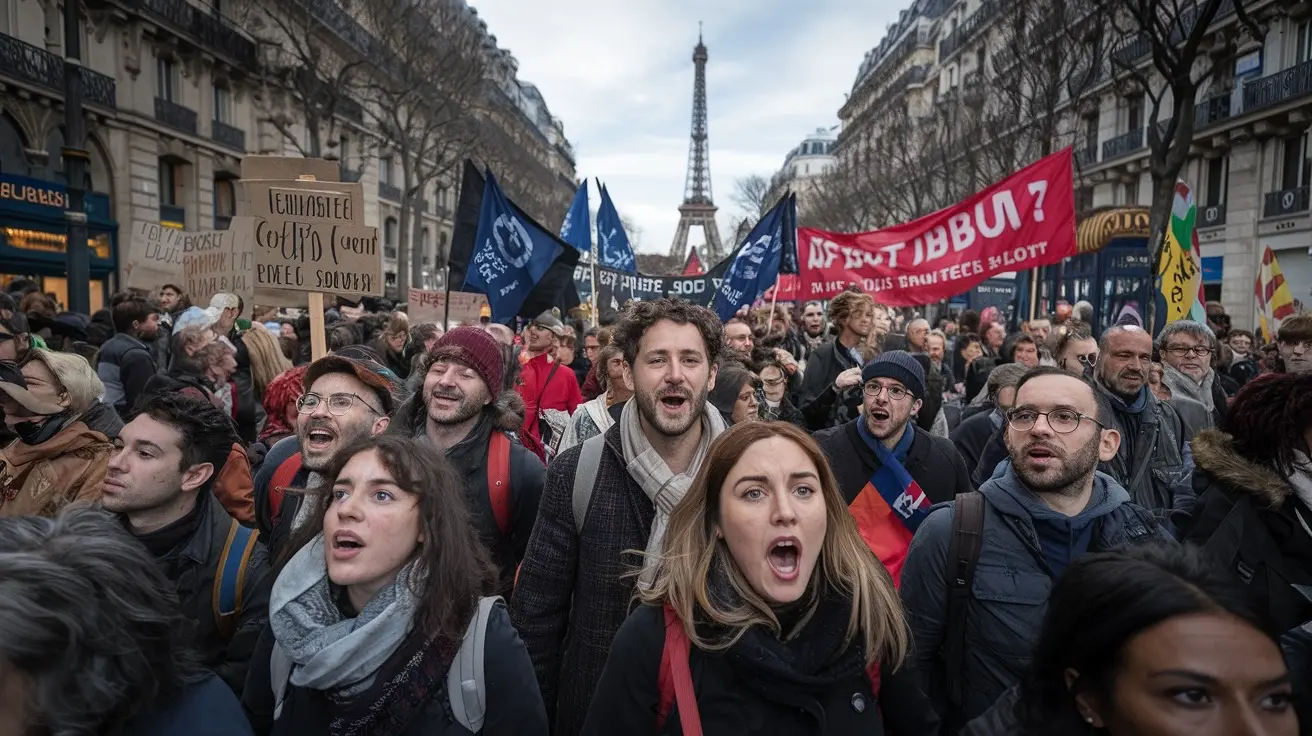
(429,306)
(1026,220)
(217,262)
(308,238)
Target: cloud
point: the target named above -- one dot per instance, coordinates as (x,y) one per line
(620,78)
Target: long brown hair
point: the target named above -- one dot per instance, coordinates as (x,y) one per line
(455,568)
(267,360)
(692,552)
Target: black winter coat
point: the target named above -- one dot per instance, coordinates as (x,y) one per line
(972,436)
(514,706)
(823,405)
(574,592)
(933,462)
(627,698)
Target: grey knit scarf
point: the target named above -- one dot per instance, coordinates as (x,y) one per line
(1183,385)
(328,650)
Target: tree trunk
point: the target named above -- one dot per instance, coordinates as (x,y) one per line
(403,251)
(417,240)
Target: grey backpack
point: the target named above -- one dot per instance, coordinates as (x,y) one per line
(585,477)
(466,687)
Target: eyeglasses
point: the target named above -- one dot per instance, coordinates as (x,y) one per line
(1291,344)
(773,382)
(1198,351)
(895,393)
(1062,421)
(591,348)
(338,404)
(1087,359)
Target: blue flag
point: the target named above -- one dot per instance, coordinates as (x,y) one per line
(756,266)
(788,260)
(510,256)
(613,247)
(577,227)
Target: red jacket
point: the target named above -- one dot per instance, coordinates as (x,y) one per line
(562,392)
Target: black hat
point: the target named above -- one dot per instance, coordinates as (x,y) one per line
(898,365)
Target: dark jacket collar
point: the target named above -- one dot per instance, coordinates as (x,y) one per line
(1214,452)
(213,519)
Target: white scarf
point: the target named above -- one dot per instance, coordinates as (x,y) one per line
(665,489)
(1186,386)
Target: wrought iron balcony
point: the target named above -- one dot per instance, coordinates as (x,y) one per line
(1283,86)
(389,191)
(40,67)
(172,213)
(1285,202)
(175,116)
(967,30)
(1212,110)
(1132,51)
(230,136)
(1087,156)
(209,30)
(1213,215)
(1122,145)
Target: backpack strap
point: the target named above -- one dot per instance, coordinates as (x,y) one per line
(674,681)
(466,687)
(230,577)
(498,480)
(585,478)
(283,476)
(963,557)
(280,673)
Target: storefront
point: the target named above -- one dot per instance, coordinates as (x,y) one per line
(33,236)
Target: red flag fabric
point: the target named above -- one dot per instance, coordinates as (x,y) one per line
(1023,221)
(693,266)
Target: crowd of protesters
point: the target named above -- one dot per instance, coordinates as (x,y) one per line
(824,518)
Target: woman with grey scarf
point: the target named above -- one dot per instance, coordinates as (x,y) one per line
(373,620)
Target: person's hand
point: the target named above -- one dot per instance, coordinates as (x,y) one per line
(786,360)
(847,379)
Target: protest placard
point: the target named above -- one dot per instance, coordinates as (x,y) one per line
(289,168)
(154,257)
(218,262)
(429,306)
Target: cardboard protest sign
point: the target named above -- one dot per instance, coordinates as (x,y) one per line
(289,168)
(428,306)
(154,257)
(216,262)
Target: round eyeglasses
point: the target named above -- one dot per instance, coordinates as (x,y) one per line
(1062,421)
(895,393)
(338,404)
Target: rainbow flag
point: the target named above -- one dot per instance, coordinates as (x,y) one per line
(1274,302)
(1180,270)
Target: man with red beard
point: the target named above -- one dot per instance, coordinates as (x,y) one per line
(462,412)
(975,613)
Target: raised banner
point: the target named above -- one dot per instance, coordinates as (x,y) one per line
(1023,221)
(201,263)
(616,288)
(429,306)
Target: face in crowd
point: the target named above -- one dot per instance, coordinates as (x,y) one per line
(672,376)
(1026,353)
(876,318)
(538,339)
(772,518)
(1054,435)
(745,405)
(1077,355)
(1296,355)
(1189,354)
(917,331)
(591,347)
(774,382)
(972,350)
(888,407)
(147,476)
(994,335)
(1123,366)
(169,298)
(454,392)
(738,337)
(338,409)
(813,319)
(1240,343)
(936,347)
(1040,329)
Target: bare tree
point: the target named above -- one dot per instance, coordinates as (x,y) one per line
(750,194)
(426,83)
(1161,60)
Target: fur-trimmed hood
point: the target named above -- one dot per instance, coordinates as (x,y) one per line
(1214,453)
(507,412)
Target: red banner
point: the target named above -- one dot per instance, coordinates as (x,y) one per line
(1023,221)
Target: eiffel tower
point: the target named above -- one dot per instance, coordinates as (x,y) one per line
(698,209)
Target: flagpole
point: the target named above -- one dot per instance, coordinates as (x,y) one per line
(446,299)
(593,271)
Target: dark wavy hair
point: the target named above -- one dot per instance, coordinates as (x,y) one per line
(1102,602)
(640,317)
(88,617)
(1268,419)
(455,567)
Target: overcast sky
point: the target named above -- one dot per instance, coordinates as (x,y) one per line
(619,75)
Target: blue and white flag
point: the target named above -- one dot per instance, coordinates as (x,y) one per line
(756,266)
(613,247)
(511,254)
(577,227)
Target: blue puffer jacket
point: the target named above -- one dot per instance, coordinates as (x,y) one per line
(1026,545)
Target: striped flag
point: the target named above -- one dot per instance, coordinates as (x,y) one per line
(1180,271)
(1274,302)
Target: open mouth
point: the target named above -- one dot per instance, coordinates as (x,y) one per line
(785,557)
(1041,454)
(879,415)
(346,545)
(673,402)
(320,438)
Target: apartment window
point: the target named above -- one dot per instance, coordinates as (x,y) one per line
(1084,199)
(1091,132)
(170,182)
(389,237)
(1132,192)
(8,9)
(426,240)
(225,201)
(385,169)
(1218,172)
(1135,113)
(1295,168)
(222,104)
(166,79)
(1303,42)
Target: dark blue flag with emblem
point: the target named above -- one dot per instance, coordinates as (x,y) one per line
(613,247)
(755,267)
(510,255)
(788,259)
(577,227)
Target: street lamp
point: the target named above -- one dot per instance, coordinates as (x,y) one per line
(75,167)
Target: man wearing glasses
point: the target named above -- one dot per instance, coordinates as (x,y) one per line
(345,399)
(1187,348)
(889,469)
(1045,507)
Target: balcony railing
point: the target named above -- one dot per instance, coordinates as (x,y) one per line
(1213,215)
(1212,110)
(967,30)
(389,191)
(1087,156)
(230,136)
(210,30)
(1132,51)
(175,116)
(1283,86)
(1285,202)
(44,69)
(1122,145)
(172,213)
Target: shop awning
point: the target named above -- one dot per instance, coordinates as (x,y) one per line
(1097,230)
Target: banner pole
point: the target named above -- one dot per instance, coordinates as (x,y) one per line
(774,299)
(593,270)
(446,300)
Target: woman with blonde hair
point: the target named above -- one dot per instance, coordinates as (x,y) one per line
(768,613)
(267,360)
